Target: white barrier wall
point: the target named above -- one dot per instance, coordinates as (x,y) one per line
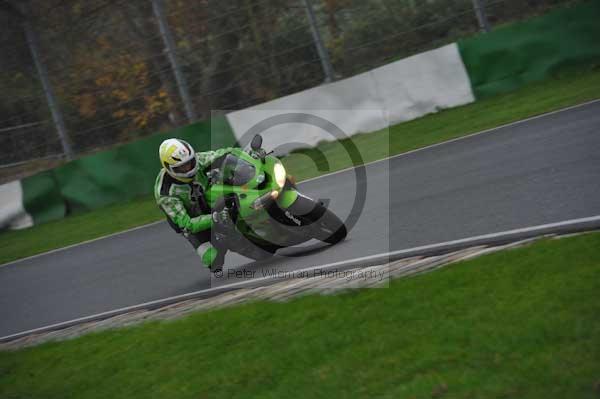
(12,211)
(397,92)
(350,104)
(424,83)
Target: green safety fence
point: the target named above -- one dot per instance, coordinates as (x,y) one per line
(111,176)
(512,56)
(42,199)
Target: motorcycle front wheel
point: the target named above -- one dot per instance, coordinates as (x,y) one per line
(327,227)
(312,219)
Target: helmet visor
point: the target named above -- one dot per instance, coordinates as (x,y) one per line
(186,167)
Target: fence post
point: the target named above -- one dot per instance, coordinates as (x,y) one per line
(165,32)
(479,7)
(59,123)
(321,49)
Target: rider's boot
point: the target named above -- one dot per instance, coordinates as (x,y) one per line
(211,257)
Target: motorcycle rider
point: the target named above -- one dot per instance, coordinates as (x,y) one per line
(179,192)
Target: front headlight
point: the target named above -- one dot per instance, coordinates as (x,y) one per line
(280,175)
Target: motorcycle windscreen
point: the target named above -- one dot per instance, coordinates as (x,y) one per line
(235,171)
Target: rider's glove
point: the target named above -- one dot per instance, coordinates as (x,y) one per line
(222,217)
(213,176)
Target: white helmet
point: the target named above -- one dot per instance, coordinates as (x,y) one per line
(179,159)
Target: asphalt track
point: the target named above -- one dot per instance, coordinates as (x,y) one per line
(540,171)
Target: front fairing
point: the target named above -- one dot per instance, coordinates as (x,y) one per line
(263,182)
(257,224)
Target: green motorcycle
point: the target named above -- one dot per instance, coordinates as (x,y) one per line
(266,210)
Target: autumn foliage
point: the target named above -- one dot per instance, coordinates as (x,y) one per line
(108,65)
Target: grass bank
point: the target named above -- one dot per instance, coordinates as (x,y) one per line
(435,128)
(517,324)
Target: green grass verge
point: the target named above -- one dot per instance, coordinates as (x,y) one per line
(516,324)
(435,128)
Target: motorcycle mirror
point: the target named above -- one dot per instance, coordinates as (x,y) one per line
(256,143)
